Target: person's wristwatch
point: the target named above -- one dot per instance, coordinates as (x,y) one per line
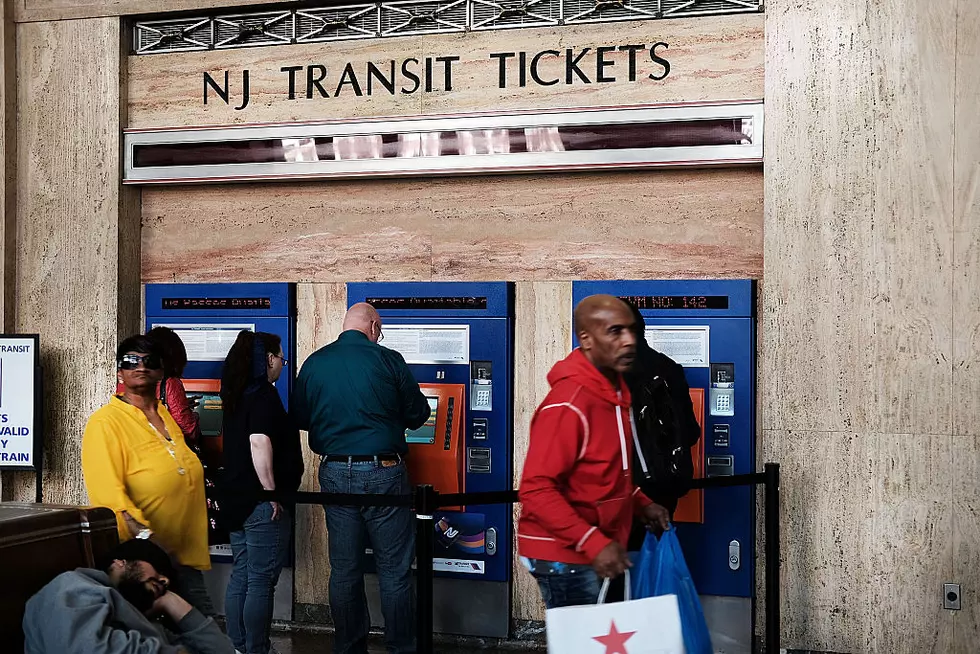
(144,534)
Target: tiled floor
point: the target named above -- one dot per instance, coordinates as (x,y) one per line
(322,643)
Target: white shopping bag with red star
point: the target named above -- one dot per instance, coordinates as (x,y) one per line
(646,626)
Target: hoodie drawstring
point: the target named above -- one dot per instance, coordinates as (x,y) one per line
(636,444)
(622,435)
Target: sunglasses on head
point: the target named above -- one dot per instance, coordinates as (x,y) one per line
(133,361)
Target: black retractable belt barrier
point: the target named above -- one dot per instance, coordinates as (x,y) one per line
(476,499)
(336,499)
(772,557)
(427,500)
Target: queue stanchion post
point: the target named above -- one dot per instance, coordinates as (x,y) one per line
(425,507)
(772,557)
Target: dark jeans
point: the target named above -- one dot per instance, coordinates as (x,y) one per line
(390,532)
(565,585)
(191,587)
(259,551)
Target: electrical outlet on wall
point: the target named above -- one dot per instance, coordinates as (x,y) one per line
(951,597)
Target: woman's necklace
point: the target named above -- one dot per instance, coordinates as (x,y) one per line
(164,438)
(169,444)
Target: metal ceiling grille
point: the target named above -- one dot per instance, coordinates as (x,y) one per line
(488,15)
(402,18)
(173,35)
(681,8)
(604,11)
(338,23)
(253,30)
(406,17)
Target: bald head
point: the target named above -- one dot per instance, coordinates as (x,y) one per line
(593,307)
(364,318)
(605,327)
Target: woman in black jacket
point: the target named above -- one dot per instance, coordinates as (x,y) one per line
(261,451)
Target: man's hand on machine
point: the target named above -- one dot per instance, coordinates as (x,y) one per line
(612,561)
(656,517)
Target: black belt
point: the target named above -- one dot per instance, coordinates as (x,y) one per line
(362,458)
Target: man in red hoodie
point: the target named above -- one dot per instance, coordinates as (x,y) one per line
(577,493)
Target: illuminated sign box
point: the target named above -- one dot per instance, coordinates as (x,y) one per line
(540,141)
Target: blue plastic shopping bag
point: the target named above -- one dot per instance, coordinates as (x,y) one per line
(661,570)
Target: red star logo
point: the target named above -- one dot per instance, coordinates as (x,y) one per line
(615,640)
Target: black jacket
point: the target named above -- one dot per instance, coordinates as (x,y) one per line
(650,364)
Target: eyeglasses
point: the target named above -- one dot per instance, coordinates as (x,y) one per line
(133,361)
(284,359)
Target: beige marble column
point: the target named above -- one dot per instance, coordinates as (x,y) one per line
(77,232)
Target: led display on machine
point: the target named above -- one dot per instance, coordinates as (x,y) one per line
(216,303)
(426,303)
(678,302)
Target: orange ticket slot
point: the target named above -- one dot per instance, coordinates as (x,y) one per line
(690,508)
(435,450)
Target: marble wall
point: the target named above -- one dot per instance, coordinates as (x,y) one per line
(650,224)
(320,310)
(77,233)
(33,11)
(8,162)
(870,318)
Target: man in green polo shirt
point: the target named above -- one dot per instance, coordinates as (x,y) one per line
(356,399)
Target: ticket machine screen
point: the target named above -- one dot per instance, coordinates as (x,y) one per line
(209,409)
(206,392)
(426,434)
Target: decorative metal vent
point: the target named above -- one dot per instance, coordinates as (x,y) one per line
(340,23)
(406,17)
(412,17)
(681,8)
(604,11)
(487,15)
(173,35)
(253,30)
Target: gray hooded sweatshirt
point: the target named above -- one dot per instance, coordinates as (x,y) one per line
(79,612)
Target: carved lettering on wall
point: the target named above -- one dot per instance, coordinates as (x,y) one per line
(617,64)
(412,75)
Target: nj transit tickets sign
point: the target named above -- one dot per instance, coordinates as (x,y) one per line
(19,399)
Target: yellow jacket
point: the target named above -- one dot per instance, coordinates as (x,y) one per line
(128,467)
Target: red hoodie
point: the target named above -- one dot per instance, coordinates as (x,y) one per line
(577,493)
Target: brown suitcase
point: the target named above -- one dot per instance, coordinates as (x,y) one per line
(37,543)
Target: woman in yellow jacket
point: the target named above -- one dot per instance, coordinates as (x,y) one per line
(136,462)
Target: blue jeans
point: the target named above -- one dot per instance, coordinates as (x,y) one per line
(563,584)
(390,532)
(259,552)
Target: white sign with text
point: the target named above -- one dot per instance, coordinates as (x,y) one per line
(429,343)
(18,367)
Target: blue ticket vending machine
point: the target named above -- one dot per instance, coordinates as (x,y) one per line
(457,338)
(708,326)
(208,318)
